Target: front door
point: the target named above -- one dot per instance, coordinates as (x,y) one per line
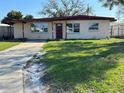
(59,31)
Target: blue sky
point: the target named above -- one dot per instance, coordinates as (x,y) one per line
(34,6)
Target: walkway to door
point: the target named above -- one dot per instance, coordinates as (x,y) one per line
(11,63)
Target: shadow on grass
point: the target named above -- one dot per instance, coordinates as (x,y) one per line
(10,41)
(69,66)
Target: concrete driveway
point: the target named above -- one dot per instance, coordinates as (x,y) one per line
(11,63)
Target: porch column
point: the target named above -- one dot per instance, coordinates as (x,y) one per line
(11,30)
(52,30)
(66,30)
(23,30)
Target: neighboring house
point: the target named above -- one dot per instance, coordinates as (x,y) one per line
(6,32)
(69,27)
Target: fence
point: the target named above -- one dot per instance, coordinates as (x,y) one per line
(117,30)
(6,32)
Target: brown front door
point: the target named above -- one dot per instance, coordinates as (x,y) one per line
(59,31)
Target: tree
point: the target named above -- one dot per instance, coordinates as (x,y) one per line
(120,13)
(89,10)
(28,17)
(12,15)
(4,20)
(58,8)
(111,3)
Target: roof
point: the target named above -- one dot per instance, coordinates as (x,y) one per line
(4,24)
(79,17)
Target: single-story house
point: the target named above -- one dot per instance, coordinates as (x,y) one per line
(68,27)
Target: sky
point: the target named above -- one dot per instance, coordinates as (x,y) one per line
(34,6)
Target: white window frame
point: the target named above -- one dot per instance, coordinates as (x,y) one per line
(94,28)
(45,24)
(72,28)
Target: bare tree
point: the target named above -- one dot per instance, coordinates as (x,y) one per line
(57,8)
(89,10)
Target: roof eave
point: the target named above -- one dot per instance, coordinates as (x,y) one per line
(65,18)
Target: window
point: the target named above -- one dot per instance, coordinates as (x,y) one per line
(69,28)
(76,27)
(94,26)
(39,27)
(73,27)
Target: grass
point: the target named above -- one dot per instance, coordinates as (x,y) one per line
(7,44)
(85,66)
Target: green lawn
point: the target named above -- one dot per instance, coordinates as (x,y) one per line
(6,44)
(85,66)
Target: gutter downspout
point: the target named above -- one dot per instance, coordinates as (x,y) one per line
(11,31)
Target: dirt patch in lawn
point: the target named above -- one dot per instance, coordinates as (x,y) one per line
(34,72)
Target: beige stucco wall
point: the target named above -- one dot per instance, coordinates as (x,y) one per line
(84,33)
(31,35)
(18,30)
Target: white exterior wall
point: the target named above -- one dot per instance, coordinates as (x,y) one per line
(84,33)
